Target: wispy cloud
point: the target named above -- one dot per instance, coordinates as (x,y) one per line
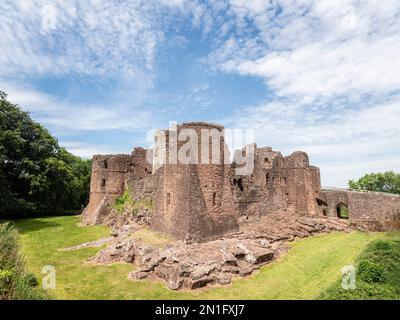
(332,70)
(116,39)
(314,49)
(67,116)
(345,144)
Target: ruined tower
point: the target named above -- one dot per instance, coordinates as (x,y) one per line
(302,184)
(107,183)
(194,199)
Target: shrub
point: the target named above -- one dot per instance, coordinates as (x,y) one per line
(371,272)
(126,203)
(30,280)
(15,282)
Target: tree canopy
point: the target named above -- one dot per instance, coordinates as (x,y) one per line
(383,181)
(37,176)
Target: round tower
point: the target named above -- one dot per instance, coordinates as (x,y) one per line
(197,200)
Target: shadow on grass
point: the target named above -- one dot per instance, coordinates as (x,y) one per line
(29,225)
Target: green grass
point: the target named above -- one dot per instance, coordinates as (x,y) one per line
(311,266)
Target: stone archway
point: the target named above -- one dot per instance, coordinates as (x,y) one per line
(342,210)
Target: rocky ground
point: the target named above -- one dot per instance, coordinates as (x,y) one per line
(196,265)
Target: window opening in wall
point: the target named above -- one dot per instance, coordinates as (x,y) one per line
(214,199)
(103,182)
(105,164)
(240,184)
(168,198)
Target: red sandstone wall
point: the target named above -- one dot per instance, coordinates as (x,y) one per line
(365,206)
(194,202)
(263,191)
(301,184)
(107,182)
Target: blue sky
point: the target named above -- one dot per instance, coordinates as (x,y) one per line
(319,76)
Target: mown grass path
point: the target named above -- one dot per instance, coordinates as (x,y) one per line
(311,265)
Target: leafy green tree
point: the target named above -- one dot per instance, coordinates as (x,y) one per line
(37,176)
(384,182)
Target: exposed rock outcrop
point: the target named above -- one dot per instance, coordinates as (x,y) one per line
(196,265)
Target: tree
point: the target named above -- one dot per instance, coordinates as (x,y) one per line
(384,182)
(37,176)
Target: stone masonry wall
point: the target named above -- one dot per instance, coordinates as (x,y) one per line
(194,202)
(364,205)
(301,185)
(262,191)
(107,183)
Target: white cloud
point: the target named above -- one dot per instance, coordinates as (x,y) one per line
(95,38)
(68,117)
(315,49)
(332,69)
(344,144)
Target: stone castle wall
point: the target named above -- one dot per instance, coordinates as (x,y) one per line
(108,182)
(363,205)
(301,184)
(262,191)
(277,184)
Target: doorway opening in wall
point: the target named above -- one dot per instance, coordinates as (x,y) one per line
(323,206)
(342,211)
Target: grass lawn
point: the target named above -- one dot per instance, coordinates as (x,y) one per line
(311,266)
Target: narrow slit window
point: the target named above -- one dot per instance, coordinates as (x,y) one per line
(103,182)
(214,199)
(168,198)
(266,179)
(105,164)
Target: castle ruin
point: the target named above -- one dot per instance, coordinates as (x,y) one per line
(197,202)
